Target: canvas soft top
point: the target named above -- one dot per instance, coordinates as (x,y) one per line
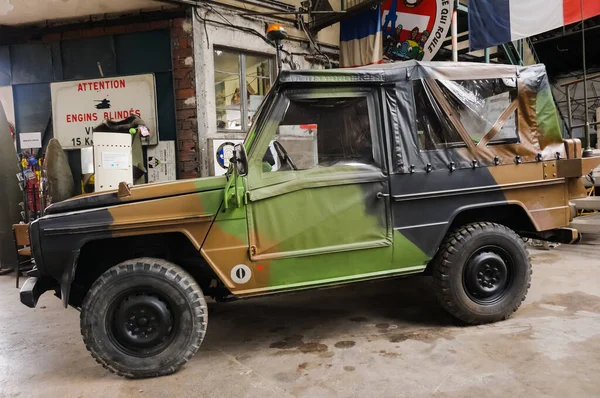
(409,70)
(446,115)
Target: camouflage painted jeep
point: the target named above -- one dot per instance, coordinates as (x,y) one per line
(345,176)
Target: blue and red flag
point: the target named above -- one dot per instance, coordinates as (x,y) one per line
(493,22)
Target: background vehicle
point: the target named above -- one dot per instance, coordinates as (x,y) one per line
(382,171)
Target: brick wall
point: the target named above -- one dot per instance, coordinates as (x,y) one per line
(185,98)
(183,81)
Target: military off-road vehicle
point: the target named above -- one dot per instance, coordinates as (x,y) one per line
(345,176)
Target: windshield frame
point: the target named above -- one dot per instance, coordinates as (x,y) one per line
(260,116)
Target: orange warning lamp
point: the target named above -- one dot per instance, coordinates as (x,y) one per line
(276,33)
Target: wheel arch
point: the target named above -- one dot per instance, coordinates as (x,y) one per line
(512,214)
(98,255)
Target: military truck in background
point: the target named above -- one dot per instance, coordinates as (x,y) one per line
(345,176)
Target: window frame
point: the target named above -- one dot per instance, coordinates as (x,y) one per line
(258,178)
(243,81)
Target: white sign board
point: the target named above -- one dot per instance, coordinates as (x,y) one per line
(30,140)
(79,106)
(161,162)
(112,160)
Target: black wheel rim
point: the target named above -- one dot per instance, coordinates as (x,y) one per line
(141,322)
(488,275)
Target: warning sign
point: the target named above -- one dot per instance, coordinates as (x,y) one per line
(79,106)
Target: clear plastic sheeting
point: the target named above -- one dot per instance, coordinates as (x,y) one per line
(445,121)
(481,105)
(434,129)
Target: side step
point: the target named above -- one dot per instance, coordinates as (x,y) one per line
(587,224)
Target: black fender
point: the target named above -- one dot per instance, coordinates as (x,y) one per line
(477,212)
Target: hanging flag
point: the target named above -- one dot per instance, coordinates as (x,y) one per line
(361,40)
(493,22)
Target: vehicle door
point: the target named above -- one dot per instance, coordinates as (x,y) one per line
(318,193)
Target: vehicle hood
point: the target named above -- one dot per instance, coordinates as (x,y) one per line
(138,193)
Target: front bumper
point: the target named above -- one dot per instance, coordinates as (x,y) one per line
(31,291)
(34,287)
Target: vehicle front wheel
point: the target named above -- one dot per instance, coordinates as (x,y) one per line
(144,318)
(482,273)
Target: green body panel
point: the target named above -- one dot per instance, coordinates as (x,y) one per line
(407,254)
(233,222)
(336,218)
(328,234)
(299,272)
(547,116)
(210,183)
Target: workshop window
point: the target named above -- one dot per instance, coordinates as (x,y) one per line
(233,70)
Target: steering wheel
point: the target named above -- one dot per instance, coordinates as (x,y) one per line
(283,155)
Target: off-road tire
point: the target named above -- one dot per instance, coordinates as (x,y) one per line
(450,264)
(189,326)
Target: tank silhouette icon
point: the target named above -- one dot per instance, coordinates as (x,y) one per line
(103,104)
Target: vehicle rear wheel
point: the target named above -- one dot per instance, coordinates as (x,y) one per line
(482,273)
(144,318)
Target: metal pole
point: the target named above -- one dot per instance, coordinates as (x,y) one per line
(521,53)
(486,55)
(588,144)
(570,112)
(455,33)
(279,60)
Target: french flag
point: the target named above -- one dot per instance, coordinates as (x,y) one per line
(493,22)
(361,39)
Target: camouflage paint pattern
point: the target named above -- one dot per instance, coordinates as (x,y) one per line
(320,227)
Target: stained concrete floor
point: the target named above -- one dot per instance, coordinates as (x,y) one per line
(384,339)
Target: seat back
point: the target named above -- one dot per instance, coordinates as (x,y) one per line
(21,234)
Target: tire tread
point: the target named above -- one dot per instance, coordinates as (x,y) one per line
(442,264)
(168,270)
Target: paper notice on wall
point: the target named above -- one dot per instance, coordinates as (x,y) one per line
(30,140)
(161,162)
(115,160)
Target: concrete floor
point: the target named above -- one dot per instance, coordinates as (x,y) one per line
(384,339)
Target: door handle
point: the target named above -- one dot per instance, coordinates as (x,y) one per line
(381,195)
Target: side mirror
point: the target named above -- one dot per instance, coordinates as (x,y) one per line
(234,189)
(240,159)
